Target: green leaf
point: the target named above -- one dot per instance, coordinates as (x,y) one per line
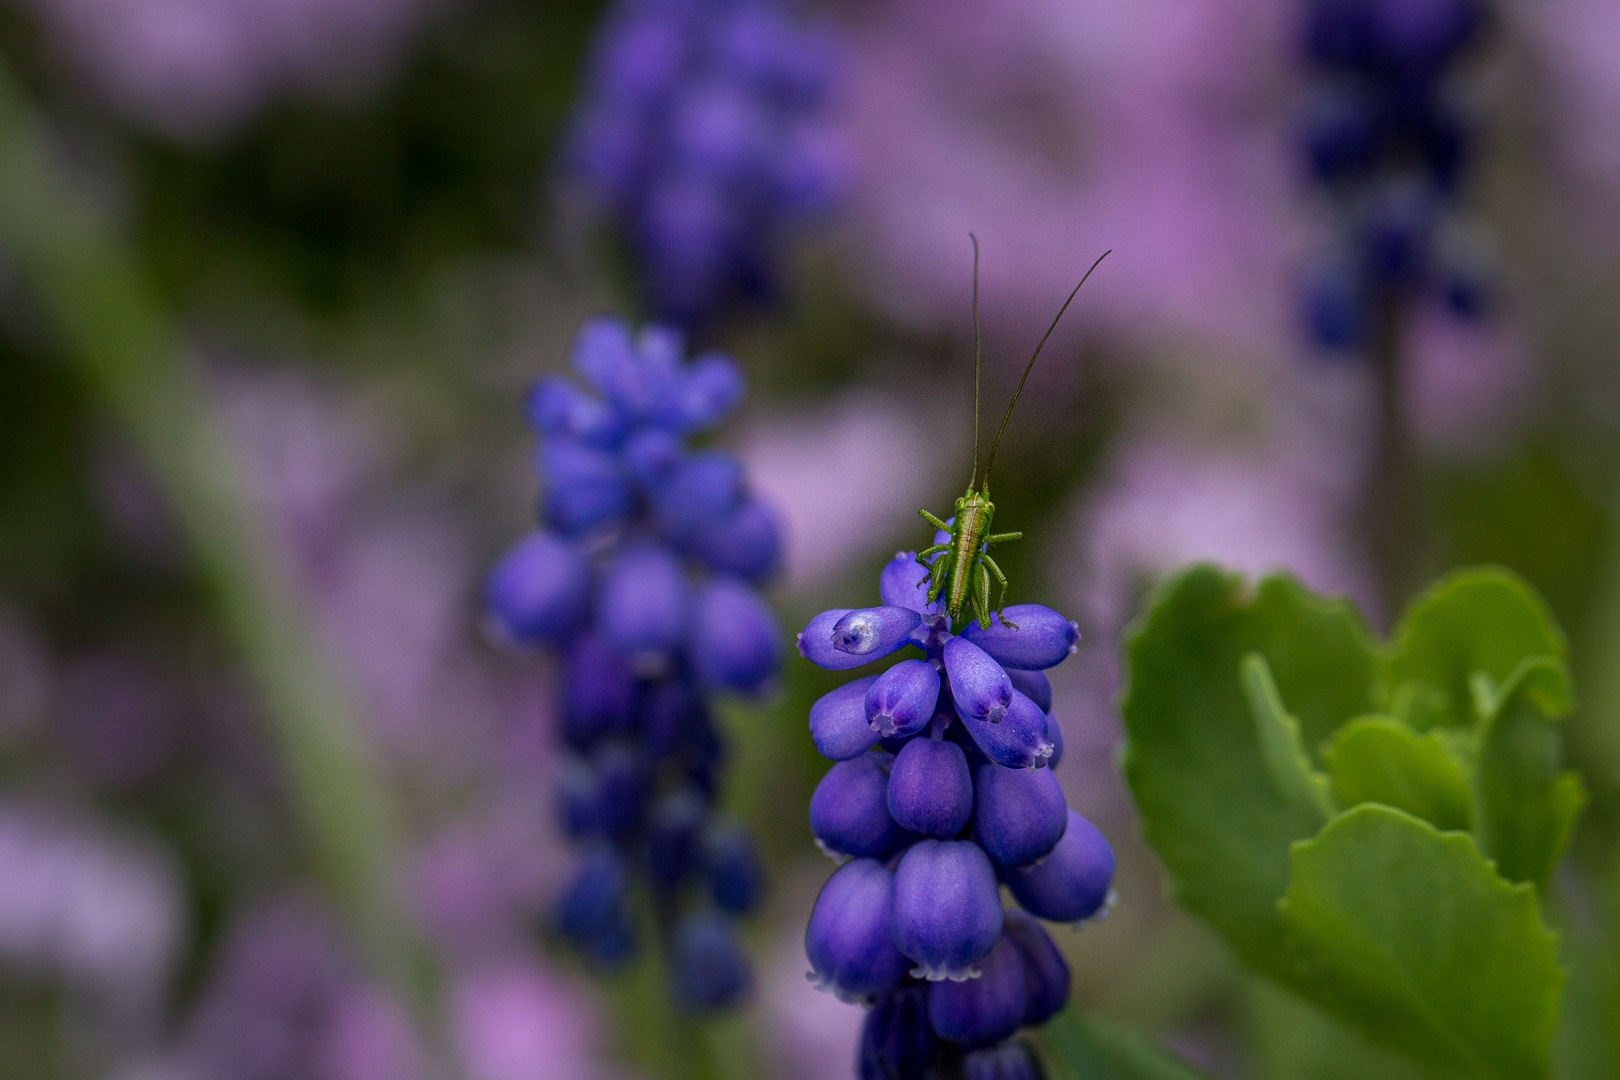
(1409,934)
(1528,806)
(1292,1039)
(1082,1047)
(1193,758)
(1478,620)
(1280,744)
(1378,759)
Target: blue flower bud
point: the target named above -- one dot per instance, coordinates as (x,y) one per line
(651,455)
(711,388)
(703,487)
(931,789)
(896,1040)
(1033,685)
(1018,814)
(602,353)
(670,712)
(1046,973)
(591,910)
(947,908)
(983,1011)
(847,939)
(736,875)
(673,829)
(979,686)
(746,542)
(707,965)
(1072,882)
(584,486)
(558,410)
(1010,1061)
(579,800)
(904,583)
(1054,739)
(838,724)
(1421,37)
(539,589)
(1043,638)
(1019,741)
(598,692)
(623,775)
(849,811)
(734,637)
(902,700)
(881,627)
(644,607)
(874,633)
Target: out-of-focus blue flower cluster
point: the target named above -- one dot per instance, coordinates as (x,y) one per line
(703,131)
(942,793)
(1386,136)
(642,577)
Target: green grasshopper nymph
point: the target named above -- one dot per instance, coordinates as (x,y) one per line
(963,566)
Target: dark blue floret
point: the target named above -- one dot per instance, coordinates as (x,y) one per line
(979,686)
(591,912)
(585,487)
(982,1011)
(1046,973)
(904,583)
(1018,815)
(644,608)
(1018,740)
(736,875)
(540,589)
(673,832)
(947,908)
(1072,882)
(838,724)
(745,542)
(1043,639)
(707,964)
(735,639)
(931,789)
(847,940)
(1033,685)
(902,699)
(849,811)
(1010,1061)
(897,1040)
(599,691)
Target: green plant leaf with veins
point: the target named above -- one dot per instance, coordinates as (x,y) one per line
(1378,759)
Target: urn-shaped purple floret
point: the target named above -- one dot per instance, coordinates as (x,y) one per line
(1009,1061)
(708,968)
(1043,638)
(847,941)
(1033,685)
(539,590)
(745,542)
(1072,882)
(896,1040)
(874,632)
(931,788)
(838,724)
(902,700)
(645,606)
(1019,740)
(979,686)
(947,908)
(559,410)
(980,1012)
(849,812)
(1018,814)
(734,636)
(1046,973)
(598,691)
(904,583)
(584,486)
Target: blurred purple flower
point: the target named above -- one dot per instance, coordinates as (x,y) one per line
(519,1022)
(1464,383)
(194,68)
(25,678)
(1581,43)
(86,904)
(1056,129)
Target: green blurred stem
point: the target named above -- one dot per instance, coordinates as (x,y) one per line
(1391,500)
(131,356)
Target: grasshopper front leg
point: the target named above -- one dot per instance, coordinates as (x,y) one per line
(934,521)
(940,574)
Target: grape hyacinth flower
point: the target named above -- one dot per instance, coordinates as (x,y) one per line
(641,578)
(703,133)
(1385,139)
(942,793)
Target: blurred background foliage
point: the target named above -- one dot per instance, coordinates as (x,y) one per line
(362,250)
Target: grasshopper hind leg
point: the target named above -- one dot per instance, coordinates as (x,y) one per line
(1001,597)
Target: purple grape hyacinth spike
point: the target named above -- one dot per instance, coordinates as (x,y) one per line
(947,908)
(931,788)
(984,1011)
(1019,741)
(979,686)
(849,810)
(1043,639)
(838,724)
(902,700)
(540,588)
(1072,882)
(847,939)
(1018,815)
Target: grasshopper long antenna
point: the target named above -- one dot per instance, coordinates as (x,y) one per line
(1028,368)
(974,478)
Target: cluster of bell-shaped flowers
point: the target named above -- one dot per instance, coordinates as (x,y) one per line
(642,578)
(942,794)
(1386,135)
(704,130)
